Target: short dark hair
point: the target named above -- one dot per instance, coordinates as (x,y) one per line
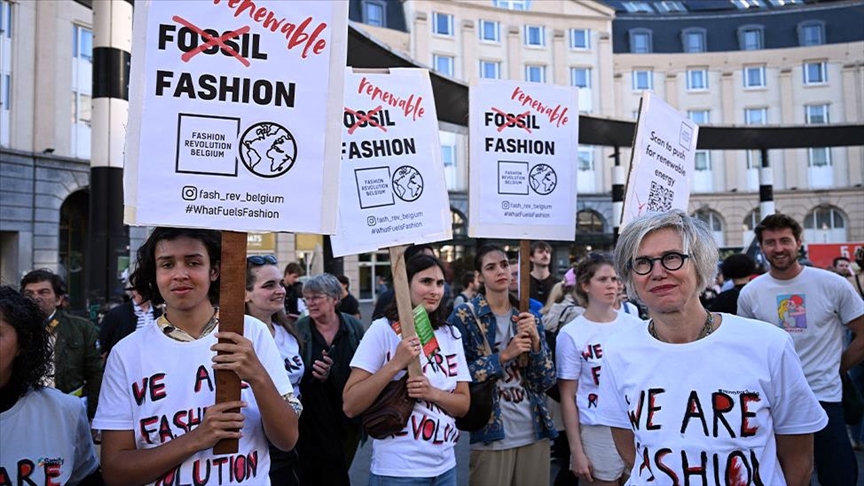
(739,265)
(344,281)
(144,277)
(417,250)
(467,279)
(32,361)
(45,275)
(778,221)
(540,245)
(839,259)
(294,268)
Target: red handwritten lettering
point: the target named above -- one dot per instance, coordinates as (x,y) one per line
(556,115)
(410,107)
(296,35)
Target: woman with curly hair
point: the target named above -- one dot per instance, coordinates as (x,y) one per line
(63,452)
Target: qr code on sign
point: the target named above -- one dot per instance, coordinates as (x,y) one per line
(660,198)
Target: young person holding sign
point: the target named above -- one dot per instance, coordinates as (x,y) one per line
(157,410)
(593,457)
(423,451)
(513,448)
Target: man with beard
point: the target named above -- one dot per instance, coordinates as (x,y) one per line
(542,279)
(813,306)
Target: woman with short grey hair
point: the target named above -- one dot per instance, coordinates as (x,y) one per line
(328,340)
(695,392)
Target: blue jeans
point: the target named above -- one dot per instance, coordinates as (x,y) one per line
(446,479)
(834,459)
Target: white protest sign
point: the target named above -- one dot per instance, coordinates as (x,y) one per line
(524,140)
(662,160)
(232,119)
(392,189)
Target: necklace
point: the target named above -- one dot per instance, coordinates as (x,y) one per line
(707,329)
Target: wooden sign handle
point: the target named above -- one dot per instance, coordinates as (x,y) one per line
(524,286)
(232,291)
(402,295)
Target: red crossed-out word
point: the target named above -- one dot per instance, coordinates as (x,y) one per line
(212,41)
(513,121)
(364,118)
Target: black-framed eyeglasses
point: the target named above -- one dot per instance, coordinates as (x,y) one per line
(261,259)
(671,261)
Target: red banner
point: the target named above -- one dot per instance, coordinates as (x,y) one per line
(823,254)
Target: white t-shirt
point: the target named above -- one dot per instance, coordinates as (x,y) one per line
(424,448)
(159,388)
(45,438)
(579,351)
(289,349)
(812,307)
(715,403)
(517,413)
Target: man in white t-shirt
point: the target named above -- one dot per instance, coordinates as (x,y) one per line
(813,306)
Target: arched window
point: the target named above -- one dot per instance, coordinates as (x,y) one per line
(714,222)
(457,221)
(825,224)
(750,222)
(589,222)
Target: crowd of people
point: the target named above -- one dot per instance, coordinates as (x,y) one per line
(656,364)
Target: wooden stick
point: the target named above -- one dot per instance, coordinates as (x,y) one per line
(232,291)
(402,295)
(524,287)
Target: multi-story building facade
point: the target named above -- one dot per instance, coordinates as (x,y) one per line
(778,62)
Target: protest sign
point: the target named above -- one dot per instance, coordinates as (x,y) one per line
(523,139)
(231,107)
(661,162)
(392,189)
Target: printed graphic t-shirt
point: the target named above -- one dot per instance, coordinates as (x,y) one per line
(424,448)
(579,351)
(45,439)
(712,407)
(813,308)
(289,349)
(159,388)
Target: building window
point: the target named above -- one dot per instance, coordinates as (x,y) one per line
(513,4)
(82,110)
(715,222)
(490,69)
(443,64)
(819,157)
(643,79)
(458,223)
(6,19)
(535,74)
(82,43)
(816,114)
(824,218)
(638,7)
(703,160)
(448,155)
(699,117)
(588,221)
(815,73)
(489,31)
(754,76)
(640,41)
(6,91)
(670,6)
(697,79)
(374,13)
(754,159)
(756,116)
(811,33)
(693,40)
(535,35)
(750,37)
(580,39)
(580,77)
(586,160)
(442,24)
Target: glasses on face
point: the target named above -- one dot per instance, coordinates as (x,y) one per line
(671,261)
(259,260)
(314,299)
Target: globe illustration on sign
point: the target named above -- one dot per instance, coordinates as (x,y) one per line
(407,183)
(268,149)
(542,179)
